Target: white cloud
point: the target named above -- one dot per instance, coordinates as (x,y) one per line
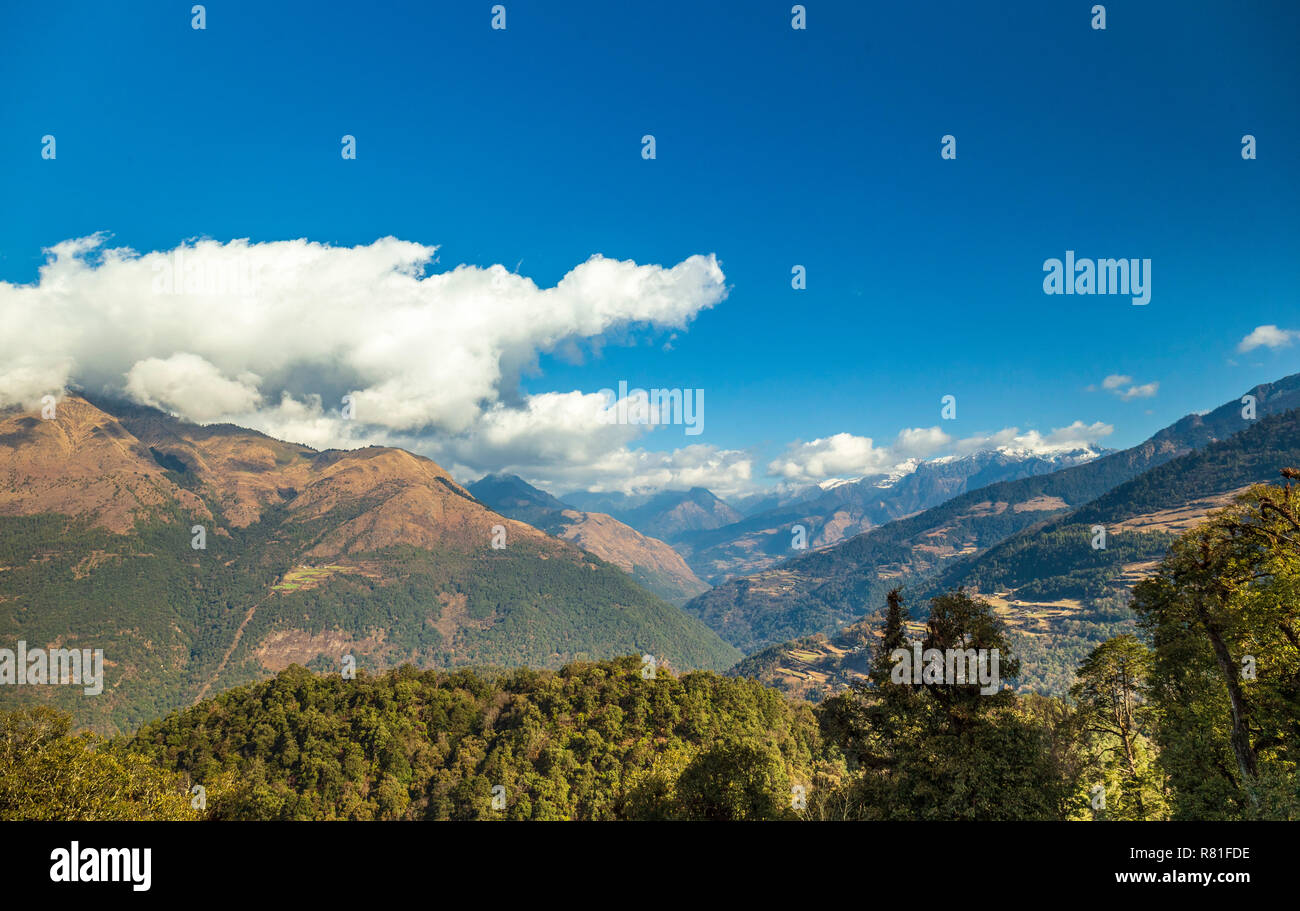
(187,384)
(828,457)
(919,442)
(1123,386)
(1145,391)
(305,420)
(273,335)
(846,454)
(1063,439)
(553,427)
(1269,336)
(727,472)
(416,350)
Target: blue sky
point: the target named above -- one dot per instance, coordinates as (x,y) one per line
(775,147)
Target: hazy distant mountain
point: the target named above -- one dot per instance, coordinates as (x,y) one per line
(841,509)
(307,557)
(648,560)
(667,515)
(823,590)
(512,496)
(763,501)
(612,503)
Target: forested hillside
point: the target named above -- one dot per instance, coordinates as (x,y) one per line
(593,741)
(199,558)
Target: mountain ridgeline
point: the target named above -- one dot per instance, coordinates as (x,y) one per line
(839,512)
(821,591)
(649,561)
(667,515)
(199,558)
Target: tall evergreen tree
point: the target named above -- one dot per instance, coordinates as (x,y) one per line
(894,636)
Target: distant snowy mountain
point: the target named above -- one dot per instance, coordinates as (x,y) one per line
(840,508)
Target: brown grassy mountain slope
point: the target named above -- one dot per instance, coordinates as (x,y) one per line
(84,463)
(648,560)
(310,556)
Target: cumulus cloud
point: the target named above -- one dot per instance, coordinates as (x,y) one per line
(727,472)
(1145,391)
(189,385)
(274,335)
(828,457)
(416,350)
(1063,439)
(846,455)
(919,442)
(1269,336)
(562,428)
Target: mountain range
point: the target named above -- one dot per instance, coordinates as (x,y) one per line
(836,512)
(823,590)
(667,515)
(1027,546)
(200,557)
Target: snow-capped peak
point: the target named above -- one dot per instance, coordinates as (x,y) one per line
(832,483)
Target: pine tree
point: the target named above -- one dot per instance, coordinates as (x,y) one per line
(894,637)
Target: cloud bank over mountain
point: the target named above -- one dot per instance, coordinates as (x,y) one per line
(274,335)
(347,346)
(845,454)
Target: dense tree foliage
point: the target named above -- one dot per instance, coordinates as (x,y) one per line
(943,750)
(592,741)
(1116,719)
(1223,616)
(47,772)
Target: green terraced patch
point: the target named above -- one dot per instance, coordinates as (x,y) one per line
(301,577)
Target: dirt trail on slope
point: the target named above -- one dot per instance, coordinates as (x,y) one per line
(221,666)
